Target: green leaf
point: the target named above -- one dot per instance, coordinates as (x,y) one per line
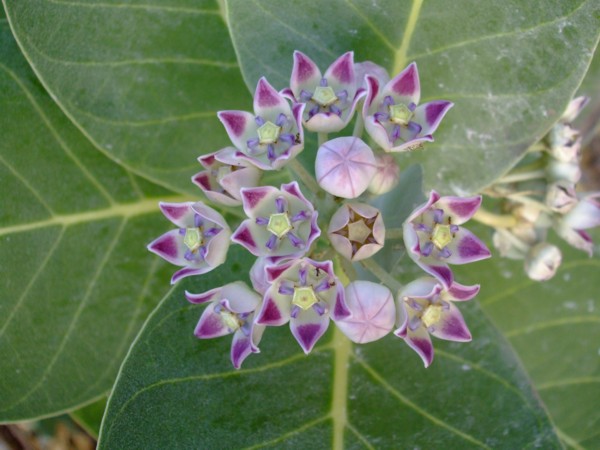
(77,281)
(142,81)
(510,67)
(90,417)
(175,391)
(555,329)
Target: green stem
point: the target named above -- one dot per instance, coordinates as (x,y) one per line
(300,172)
(322,138)
(522,176)
(383,276)
(394,233)
(358,126)
(495,220)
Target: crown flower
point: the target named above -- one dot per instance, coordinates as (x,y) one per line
(230,310)
(357,231)
(199,244)
(330,99)
(434,238)
(426,307)
(224,176)
(305,293)
(282,222)
(392,117)
(270,137)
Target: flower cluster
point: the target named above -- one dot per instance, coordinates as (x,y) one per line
(541,194)
(291,281)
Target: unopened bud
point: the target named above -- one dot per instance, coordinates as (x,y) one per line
(561,197)
(542,261)
(387,176)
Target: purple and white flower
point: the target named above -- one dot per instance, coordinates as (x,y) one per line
(373,312)
(305,293)
(198,245)
(392,117)
(231,310)
(270,137)
(330,99)
(225,176)
(356,231)
(426,307)
(542,261)
(585,215)
(434,238)
(345,166)
(282,222)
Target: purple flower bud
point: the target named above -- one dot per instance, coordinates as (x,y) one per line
(387,176)
(373,312)
(542,261)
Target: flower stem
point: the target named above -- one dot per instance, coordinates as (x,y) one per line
(322,138)
(372,266)
(394,233)
(522,176)
(300,172)
(358,126)
(495,220)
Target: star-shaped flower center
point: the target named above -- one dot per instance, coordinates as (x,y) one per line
(268,133)
(359,231)
(279,224)
(193,238)
(304,297)
(431,315)
(324,96)
(400,114)
(441,236)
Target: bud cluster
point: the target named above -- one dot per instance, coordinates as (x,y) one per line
(294,278)
(541,194)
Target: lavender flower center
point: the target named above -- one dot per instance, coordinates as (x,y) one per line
(441,236)
(268,133)
(431,315)
(193,238)
(279,224)
(304,297)
(324,96)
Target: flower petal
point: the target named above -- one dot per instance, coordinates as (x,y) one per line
(181,214)
(256,198)
(190,271)
(340,74)
(429,115)
(586,214)
(405,87)
(308,327)
(459,209)
(459,293)
(466,248)
(210,324)
(239,298)
(305,74)
(242,345)
(451,327)
(205,297)
(268,102)
(240,127)
(243,235)
(170,247)
(275,311)
(420,342)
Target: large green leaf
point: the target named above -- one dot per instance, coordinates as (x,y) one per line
(143,80)
(555,329)
(77,281)
(175,391)
(510,67)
